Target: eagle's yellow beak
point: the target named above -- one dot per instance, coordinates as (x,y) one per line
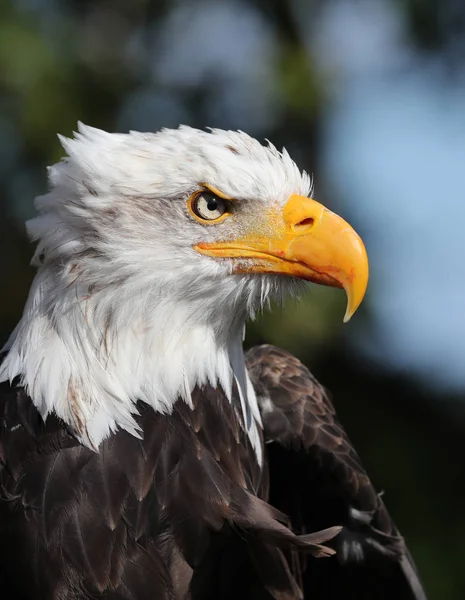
(305,240)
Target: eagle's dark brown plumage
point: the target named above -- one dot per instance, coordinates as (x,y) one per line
(186,513)
(318,478)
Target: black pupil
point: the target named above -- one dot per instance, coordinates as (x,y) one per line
(212,204)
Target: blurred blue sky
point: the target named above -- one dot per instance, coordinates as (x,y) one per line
(395,157)
(225,46)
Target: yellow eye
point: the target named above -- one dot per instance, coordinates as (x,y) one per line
(207,206)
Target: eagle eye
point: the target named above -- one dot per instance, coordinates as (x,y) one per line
(207,206)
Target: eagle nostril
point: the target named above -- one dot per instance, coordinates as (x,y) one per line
(304,224)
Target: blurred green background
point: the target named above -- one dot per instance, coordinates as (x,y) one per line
(369,96)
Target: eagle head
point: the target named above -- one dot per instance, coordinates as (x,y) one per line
(152,249)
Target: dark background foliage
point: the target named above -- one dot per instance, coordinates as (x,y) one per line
(287,70)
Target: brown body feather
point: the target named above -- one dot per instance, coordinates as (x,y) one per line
(187,513)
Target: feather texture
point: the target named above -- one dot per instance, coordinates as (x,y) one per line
(143,518)
(317,478)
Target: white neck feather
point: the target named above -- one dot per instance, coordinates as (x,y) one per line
(89,357)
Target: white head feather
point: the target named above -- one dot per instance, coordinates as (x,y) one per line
(122,307)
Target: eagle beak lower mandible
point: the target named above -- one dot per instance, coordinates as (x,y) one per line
(307,241)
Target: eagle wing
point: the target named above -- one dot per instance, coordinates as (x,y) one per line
(318,480)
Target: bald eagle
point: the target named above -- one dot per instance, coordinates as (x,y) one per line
(143,455)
